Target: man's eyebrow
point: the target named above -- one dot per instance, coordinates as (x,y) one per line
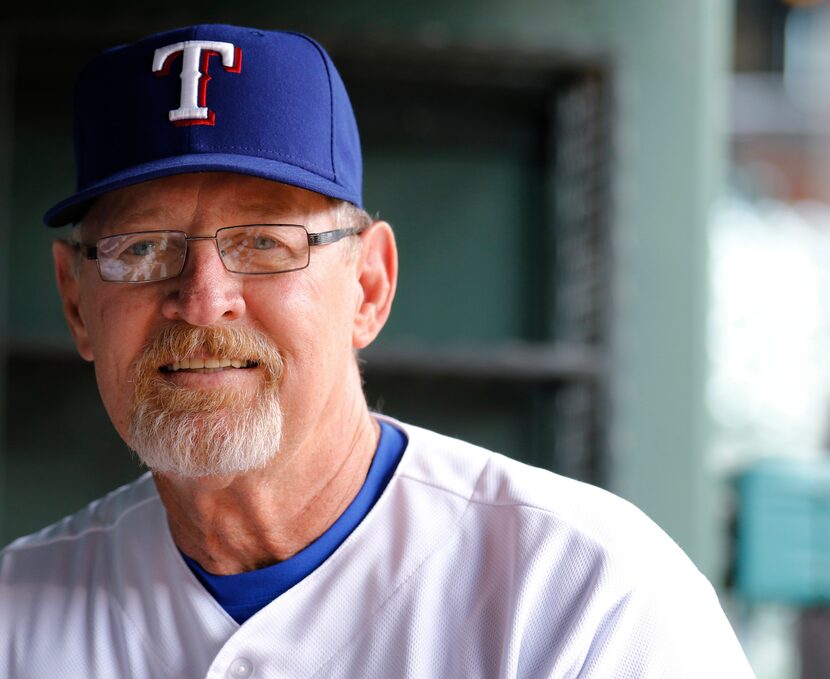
(159,215)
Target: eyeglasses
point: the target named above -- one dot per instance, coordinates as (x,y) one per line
(146,256)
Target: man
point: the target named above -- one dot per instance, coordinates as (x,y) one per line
(222,276)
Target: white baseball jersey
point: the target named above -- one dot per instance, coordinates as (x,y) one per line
(469,565)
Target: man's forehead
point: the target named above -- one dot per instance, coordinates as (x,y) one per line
(203,195)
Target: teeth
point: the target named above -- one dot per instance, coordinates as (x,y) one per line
(211,363)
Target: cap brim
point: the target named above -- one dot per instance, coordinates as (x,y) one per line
(72,209)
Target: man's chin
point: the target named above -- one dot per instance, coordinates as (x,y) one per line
(207,437)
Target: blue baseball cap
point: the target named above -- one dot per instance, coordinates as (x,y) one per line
(213,98)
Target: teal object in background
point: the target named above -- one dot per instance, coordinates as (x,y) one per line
(784,532)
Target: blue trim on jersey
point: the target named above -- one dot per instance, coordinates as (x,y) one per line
(244,594)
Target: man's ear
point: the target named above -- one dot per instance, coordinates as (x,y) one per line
(70,291)
(377,271)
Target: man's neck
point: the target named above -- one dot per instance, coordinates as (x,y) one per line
(240,523)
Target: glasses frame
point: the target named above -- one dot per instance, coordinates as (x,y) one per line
(90,252)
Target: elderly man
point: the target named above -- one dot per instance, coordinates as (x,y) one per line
(222,276)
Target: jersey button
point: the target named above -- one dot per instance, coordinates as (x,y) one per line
(241,668)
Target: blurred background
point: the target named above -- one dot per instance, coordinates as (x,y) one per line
(614,224)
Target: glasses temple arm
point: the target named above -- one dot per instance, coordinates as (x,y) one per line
(326,237)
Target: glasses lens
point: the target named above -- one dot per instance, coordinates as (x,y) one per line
(263,248)
(141,257)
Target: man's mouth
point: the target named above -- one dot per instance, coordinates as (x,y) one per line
(212,364)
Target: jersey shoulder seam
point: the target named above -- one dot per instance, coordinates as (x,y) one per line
(567,520)
(91,529)
(472,499)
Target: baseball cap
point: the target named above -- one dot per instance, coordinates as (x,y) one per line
(213,98)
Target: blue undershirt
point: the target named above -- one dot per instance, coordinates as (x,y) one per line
(244,594)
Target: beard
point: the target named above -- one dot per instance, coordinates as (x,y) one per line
(195,433)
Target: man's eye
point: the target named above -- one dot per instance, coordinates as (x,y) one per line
(141,248)
(265,243)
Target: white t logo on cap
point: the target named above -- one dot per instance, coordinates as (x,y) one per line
(196,55)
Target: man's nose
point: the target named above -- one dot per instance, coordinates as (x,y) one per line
(205,293)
